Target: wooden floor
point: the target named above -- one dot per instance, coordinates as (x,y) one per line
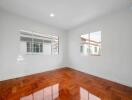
(63,84)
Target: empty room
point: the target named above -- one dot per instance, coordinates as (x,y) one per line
(65,50)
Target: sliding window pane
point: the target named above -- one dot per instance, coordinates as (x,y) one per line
(95,43)
(84,49)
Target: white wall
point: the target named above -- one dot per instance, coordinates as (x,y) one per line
(10,25)
(1,40)
(115,63)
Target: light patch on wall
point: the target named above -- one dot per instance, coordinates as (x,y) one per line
(20,58)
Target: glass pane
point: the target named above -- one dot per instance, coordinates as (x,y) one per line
(34,47)
(95,43)
(41,47)
(29,47)
(37,48)
(84,48)
(55,47)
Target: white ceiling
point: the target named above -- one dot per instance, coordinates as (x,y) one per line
(68,13)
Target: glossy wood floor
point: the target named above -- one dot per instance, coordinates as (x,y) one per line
(63,84)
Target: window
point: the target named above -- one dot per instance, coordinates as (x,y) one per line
(91,43)
(36,43)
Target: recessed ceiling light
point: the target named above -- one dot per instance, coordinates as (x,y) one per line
(52,15)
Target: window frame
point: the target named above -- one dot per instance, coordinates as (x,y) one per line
(33,35)
(89,44)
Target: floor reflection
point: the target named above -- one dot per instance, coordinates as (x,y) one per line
(48,93)
(53,93)
(85,95)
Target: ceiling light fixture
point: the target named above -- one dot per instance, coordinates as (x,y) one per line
(52,15)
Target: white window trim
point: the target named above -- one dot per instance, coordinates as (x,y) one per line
(40,36)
